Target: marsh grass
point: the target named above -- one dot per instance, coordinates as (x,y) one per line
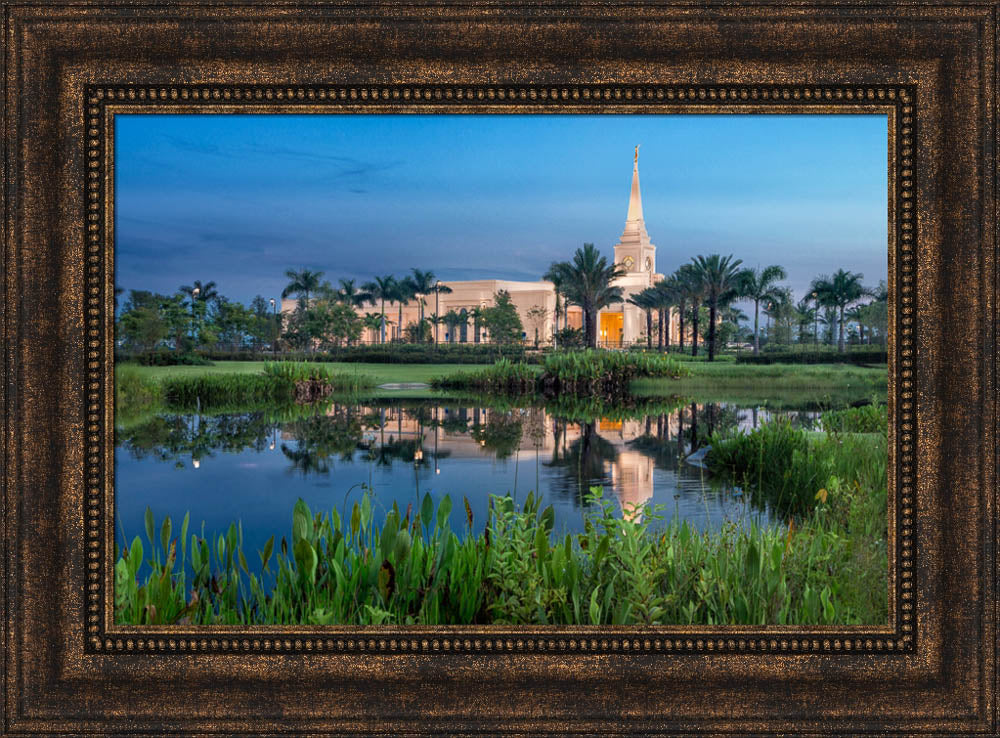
(414,569)
(605,373)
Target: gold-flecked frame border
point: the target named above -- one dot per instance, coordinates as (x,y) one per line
(896,102)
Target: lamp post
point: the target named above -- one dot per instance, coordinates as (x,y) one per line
(194,319)
(437,309)
(274,341)
(816,320)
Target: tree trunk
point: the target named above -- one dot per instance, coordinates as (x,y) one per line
(659,329)
(694,331)
(681,306)
(840,332)
(711,330)
(649,328)
(383,321)
(756,327)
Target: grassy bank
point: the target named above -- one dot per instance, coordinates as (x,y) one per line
(413,569)
(378,373)
(602,373)
(141,390)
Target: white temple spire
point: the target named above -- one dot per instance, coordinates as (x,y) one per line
(635,199)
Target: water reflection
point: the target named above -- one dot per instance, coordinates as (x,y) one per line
(254,465)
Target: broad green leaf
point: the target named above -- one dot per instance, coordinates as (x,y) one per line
(444,510)
(165,534)
(426,510)
(184,530)
(265,555)
(306,560)
(149,527)
(135,556)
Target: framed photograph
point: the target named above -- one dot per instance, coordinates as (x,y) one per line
(478,369)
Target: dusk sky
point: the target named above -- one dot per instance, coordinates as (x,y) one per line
(240,199)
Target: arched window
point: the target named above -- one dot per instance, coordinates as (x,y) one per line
(463,327)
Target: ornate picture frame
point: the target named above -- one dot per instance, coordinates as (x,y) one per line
(69,68)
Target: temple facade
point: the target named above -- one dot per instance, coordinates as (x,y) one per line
(620,324)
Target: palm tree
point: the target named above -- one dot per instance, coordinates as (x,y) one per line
(199,291)
(759,285)
(372,321)
(381,289)
(438,289)
(351,295)
(693,291)
(807,314)
(451,319)
(423,284)
(839,291)
(404,290)
(554,276)
(302,283)
(200,294)
(720,278)
(668,294)
(646,300)
(586,282)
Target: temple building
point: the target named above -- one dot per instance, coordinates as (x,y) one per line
(620,324)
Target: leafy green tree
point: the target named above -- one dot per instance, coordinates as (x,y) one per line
(841,290)
(537,315)
(720,277)
(586,282)
(140,325)
(232,322)
(501,319)
(760,285)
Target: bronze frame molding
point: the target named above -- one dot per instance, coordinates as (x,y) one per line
(68,668)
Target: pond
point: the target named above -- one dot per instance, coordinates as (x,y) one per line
(252,466)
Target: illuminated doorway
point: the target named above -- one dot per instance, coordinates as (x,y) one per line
(612,328)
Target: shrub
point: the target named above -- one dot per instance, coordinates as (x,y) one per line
(166,357)
(394,353)
(871,418)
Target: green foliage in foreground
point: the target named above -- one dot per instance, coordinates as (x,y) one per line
(137,392)
(830,567)
(788,466)
(588,371)
(871,418)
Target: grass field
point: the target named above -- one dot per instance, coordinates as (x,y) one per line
(381,373)
(774,385)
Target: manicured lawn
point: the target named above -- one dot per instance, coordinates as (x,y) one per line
(382,373)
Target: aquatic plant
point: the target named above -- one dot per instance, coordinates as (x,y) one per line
(415,569)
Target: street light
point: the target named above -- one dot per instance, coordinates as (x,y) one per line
(274,341)
(194,297)
(816,319)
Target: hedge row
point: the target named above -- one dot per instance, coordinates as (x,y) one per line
(391,354)
(875,356)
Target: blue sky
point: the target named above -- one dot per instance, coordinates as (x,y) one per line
(240,199)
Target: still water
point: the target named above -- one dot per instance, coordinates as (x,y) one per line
(253,466)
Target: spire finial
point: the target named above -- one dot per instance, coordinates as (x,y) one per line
(637,154)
